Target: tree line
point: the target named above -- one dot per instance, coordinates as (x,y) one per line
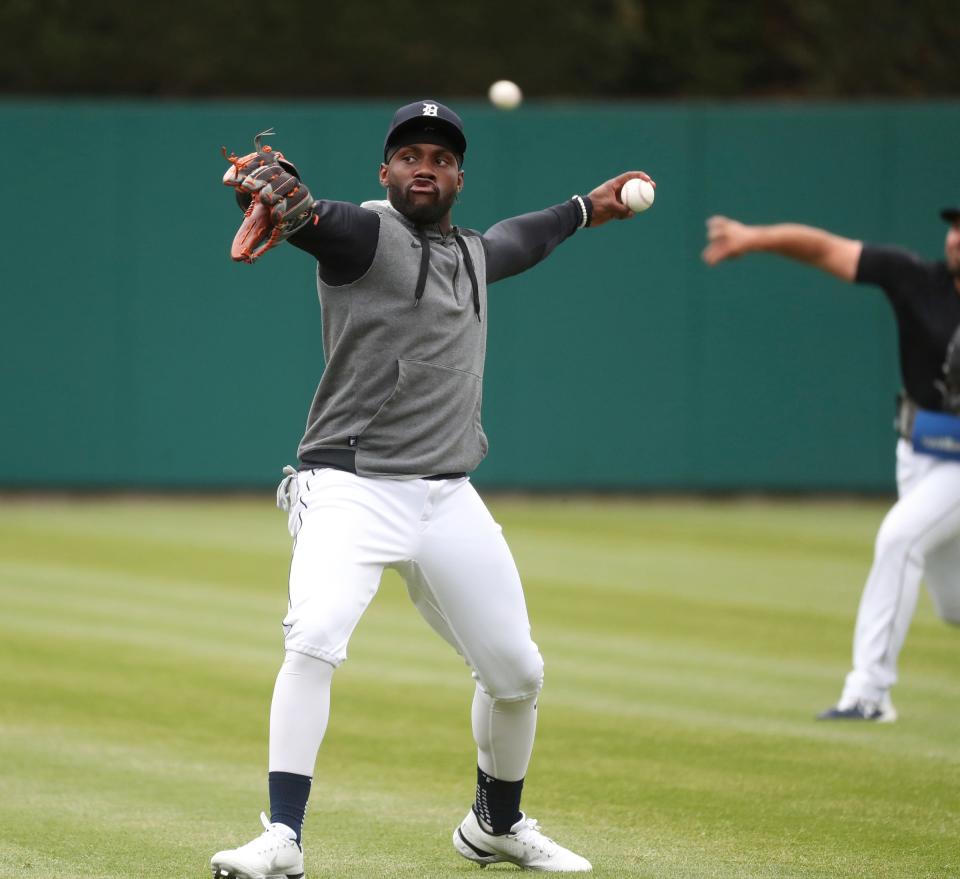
(580,48)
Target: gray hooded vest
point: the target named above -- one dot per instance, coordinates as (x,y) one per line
(403,381)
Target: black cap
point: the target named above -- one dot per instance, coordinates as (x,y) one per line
(425,121)
(951,215)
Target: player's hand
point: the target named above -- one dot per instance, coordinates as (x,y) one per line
(726,239)
(606,198)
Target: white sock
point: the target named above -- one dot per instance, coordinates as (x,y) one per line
(299,713)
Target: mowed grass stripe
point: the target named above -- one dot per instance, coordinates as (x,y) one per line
(687,647)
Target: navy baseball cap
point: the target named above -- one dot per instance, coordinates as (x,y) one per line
(951,215)
(425,121)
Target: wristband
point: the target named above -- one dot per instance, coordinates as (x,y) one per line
(584,214)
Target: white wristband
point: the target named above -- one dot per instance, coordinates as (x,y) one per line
(583,211)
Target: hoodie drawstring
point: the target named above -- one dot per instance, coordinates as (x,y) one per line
(424,266)
(471,272)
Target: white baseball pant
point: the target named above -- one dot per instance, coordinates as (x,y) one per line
(919,538)
(461,577)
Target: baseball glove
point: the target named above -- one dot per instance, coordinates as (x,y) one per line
(277,203)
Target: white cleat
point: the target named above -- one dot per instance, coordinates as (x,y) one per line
(523,845)
(274,854)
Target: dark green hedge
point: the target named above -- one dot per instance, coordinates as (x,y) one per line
(598,48)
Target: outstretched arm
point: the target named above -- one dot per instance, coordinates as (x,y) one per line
(514,245)
(342,237)
(277,206)
(728,239)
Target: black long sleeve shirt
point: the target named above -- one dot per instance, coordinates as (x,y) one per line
(343,236)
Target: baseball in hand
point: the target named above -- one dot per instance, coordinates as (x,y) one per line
(637,194)
(505,95)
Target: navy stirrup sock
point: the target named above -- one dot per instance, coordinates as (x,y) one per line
(288,799)
(498,802)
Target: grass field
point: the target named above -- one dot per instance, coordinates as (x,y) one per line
(687,644)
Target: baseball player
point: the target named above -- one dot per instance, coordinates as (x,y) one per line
(920,536)
(391,436)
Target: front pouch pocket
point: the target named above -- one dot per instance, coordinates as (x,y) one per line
(430,424)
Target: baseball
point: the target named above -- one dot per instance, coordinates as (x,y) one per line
(637,194)
(505,94)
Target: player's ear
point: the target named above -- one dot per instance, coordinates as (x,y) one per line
(383,174)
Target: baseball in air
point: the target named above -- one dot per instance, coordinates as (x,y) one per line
(637,194)
(505,94)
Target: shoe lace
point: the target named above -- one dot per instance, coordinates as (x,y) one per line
(273,836)
(529,833)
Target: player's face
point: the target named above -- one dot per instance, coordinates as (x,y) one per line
(422,182)
(951,249)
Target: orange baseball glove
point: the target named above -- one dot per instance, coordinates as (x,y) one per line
(276,203)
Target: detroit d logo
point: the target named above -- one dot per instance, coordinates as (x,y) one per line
(429,110)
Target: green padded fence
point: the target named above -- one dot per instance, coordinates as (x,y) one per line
(135,353)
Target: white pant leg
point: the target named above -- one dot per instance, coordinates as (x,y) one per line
(925,518)
(299,713)
(347,529)
(504,732)
(941,572)
(941,568)
(465,583)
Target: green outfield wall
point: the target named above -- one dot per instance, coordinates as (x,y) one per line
(136,354)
